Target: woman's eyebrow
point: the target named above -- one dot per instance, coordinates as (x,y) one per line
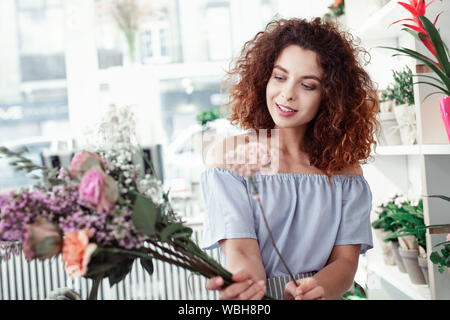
(304,77)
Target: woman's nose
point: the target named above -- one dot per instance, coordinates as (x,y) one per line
(288,93)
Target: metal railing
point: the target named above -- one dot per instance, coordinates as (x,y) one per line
(34,280)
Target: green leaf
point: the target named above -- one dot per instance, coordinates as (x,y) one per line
(102,261)
(439,196)
(430,63)
(441,243)
(447,92)
(120,271)
(144,216)
(428,95)
(169,230)
(147,264)
(413,33)
(185,233)
(430,77)
(435,257)
(437,226)
(437,43)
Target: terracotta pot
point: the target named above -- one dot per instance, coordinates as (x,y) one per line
(397,257)
(412,265)
(444,107)
(388,255)
(423,264)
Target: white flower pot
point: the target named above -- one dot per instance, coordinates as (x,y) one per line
(390,131)
(406,120)
(388,255)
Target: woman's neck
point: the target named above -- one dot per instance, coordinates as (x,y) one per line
(290,141)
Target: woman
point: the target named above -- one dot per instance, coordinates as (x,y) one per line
(302,78)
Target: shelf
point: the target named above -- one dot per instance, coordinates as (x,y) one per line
(397,150)
(435,149)
(399,280)
(425,149)
(382,20)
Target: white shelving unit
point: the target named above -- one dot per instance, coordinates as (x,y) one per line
(392,275)
(382,20)
(413,150)
(415,170)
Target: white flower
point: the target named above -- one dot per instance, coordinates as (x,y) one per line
(400,200)
(379,209)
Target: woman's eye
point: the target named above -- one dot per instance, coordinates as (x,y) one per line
(278,78)
(307,87)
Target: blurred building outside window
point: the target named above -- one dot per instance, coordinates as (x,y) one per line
(67,61)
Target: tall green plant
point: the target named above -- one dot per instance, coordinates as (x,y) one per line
(426,31)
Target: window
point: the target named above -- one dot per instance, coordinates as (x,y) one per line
(219,31)
(41,40)
(154,43)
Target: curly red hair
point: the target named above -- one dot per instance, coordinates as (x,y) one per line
(341,134)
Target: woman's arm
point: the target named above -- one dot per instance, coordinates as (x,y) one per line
(243,259)
(333,280)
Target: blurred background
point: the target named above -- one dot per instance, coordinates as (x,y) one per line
(65,62)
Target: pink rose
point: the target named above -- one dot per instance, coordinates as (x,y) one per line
(448,237)
(42,240)
(77,252)
(99,190)
(83,161)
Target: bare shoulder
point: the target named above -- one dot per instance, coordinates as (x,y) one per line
(215,156)
(353,170)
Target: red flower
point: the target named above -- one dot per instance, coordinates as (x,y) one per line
(417,8)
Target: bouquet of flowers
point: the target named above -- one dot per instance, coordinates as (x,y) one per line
(100,213)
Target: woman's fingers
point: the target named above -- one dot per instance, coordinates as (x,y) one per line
(313,294)
(233,290)
(260,294)
(307,289)
(254,291)
(244,287)
(289,290)
(215,283)
(305,285)
(241,276)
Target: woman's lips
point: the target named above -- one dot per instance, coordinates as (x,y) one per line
(285,113)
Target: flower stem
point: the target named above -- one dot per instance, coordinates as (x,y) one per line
(95,286)
(255,188)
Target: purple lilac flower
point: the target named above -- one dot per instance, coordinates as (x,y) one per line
(62,206)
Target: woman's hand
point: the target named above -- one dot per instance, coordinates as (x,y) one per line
(307,289)
(245,287)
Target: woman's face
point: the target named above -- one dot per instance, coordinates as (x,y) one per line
(294,90)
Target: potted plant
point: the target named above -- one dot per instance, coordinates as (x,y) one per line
(384,226)
(389,135)
(400,92)
(411,237)
(425,31)
(441,258)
